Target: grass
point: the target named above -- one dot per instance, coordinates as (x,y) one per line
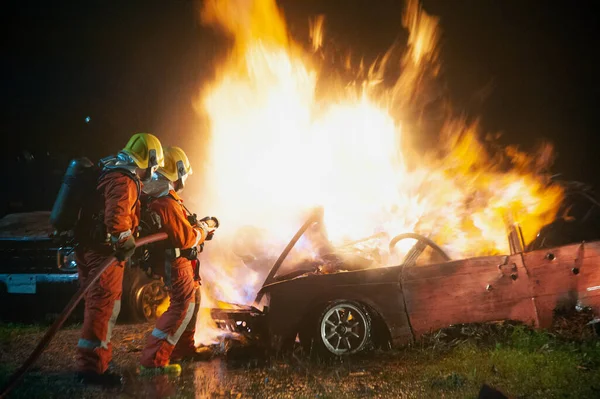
(513,359)
(35,383)
(518,362)
(8,331)
(452,363)
(45,386)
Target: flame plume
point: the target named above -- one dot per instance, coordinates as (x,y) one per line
(277,150)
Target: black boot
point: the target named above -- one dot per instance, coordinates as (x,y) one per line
(107,380)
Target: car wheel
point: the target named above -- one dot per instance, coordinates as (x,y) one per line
(342,328)
(143,297)
(148,299)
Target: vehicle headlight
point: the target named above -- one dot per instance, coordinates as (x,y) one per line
(65,259)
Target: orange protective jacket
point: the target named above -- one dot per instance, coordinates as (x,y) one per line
(121,205)
(175,223)
(117,199)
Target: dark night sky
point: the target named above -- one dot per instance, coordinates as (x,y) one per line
(136,66)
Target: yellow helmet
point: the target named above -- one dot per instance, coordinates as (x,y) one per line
(177,165)
(146,151)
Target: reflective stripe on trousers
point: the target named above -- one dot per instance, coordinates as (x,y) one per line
(93,344)
(173,339)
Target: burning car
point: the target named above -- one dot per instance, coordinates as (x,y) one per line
(287,135)
(32,263)
(341,305)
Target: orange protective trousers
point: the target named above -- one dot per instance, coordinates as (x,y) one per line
(102,306)
(173,336)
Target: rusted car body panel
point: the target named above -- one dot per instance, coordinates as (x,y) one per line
(468,291)
(563,277)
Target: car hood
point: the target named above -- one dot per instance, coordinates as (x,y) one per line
(373,275)
(26,226)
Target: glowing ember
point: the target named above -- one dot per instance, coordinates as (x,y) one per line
(277,150)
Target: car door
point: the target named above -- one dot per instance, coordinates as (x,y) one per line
(471,290)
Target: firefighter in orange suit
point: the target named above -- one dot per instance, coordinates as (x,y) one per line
(173,336)
(107,225)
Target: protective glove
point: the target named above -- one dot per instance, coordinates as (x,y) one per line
(123,245)
(205,228)
(193,219)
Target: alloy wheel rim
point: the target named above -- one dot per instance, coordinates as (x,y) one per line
(344,329)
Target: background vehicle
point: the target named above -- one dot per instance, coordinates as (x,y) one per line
(33,268)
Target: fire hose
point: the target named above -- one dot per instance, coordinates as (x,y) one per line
(20,373)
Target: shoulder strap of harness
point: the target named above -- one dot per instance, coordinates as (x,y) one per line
(152,217)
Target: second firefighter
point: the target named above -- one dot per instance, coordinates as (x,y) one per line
(173,336)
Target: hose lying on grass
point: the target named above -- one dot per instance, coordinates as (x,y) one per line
(18,375)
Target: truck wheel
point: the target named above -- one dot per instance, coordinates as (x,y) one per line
(143,297)
(342,328)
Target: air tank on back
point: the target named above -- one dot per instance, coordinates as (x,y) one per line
(69,200)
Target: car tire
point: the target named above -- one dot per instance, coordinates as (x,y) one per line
(142,296)
(341,328)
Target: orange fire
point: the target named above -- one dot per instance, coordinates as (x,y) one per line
(277,150)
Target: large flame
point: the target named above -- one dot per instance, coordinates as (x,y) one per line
(277,149)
